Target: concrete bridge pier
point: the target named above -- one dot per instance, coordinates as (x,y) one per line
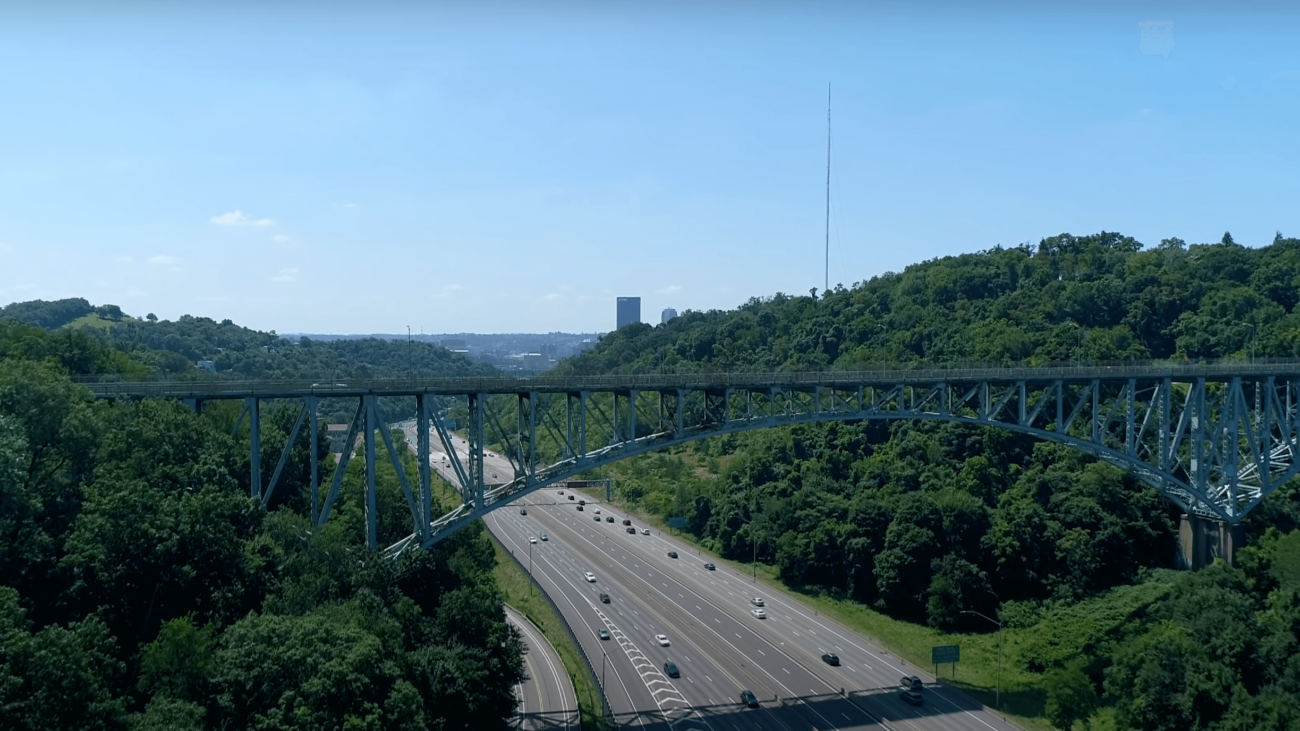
(1201,540)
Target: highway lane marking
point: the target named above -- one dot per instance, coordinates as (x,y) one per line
(617,675)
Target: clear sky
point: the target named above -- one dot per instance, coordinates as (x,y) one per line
(514,167)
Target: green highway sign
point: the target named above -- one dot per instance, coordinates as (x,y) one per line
(940,654)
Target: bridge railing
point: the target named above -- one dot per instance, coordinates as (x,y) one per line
(519,382)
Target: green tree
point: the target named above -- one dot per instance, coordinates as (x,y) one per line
(1070,696)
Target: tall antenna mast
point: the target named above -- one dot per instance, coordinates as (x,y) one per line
(827,284)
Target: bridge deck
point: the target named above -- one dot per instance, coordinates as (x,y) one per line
(216,389)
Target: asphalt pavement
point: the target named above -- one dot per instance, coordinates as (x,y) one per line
(546,697)
(719,647)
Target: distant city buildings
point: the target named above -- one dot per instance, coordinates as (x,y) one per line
(629,311)
(668,314)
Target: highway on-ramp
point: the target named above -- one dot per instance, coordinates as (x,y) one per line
(546,697)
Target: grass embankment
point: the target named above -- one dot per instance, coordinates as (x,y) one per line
(976,675)
(520,595)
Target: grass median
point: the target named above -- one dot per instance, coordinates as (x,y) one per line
(521,595)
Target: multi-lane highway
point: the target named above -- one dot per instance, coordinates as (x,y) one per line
(717,644)
(546,697)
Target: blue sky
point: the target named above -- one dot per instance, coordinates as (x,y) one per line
(490,167)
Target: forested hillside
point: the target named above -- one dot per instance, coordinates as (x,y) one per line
(141,588)
(922,520)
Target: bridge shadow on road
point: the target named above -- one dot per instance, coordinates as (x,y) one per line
(548,721)
(864,707)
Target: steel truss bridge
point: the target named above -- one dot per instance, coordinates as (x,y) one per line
(1215,439)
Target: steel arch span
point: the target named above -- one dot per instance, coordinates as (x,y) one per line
(1214,439)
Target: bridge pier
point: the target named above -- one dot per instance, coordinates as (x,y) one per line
(1202,540)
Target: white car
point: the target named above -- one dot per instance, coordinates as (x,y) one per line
(756,602)
(759,613)
(645,531)
(531,539)
(662,640)
(591,577)
(597,511)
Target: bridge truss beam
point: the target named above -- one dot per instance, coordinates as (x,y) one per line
(1214,440)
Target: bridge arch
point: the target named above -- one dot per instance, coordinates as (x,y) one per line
(1214,439)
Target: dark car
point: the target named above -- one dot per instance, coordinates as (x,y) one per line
(582,502)
(596,518)
(604,598)
(910,696)
(911,682)
(748,699)
(523,511)
(632,531)
(579,507)
(609,519)
(603,635)
(710,567)
(831,658)
(670,669)
(672,554)
(627,522)
(570,497)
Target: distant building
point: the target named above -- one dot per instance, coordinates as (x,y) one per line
(629,311)
(207,365)
(667,315)
(455,345)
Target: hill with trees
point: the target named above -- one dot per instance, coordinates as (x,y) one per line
(922,520)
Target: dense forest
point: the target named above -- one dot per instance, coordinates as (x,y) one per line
(130,548)
(141,588)
(150,349)
(923,520)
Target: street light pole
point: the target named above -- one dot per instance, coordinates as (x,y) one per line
(998,702)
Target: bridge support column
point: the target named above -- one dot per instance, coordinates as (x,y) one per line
(254,448)
(1202,540)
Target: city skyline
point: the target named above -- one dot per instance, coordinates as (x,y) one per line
(358,169)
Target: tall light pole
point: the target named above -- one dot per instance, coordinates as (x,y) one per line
(998,702)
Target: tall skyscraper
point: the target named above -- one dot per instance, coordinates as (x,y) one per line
(629,311)
(667,315)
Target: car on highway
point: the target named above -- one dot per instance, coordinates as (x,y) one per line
(710,567)
(561,492)
(531,539)
(582,502)
(672,554)
(603,635)
(570,497)
(662,640)
(579,507)
(609,519)
(759,613)
(911,682)
(632,531)
(604,598)
(831,658)
(645,531)
(596,518)
(545,538)
(523,511)
(911,696)
(627,522)
(748,699)
(597,511)
(756,601)
(670,669)
(591,577)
